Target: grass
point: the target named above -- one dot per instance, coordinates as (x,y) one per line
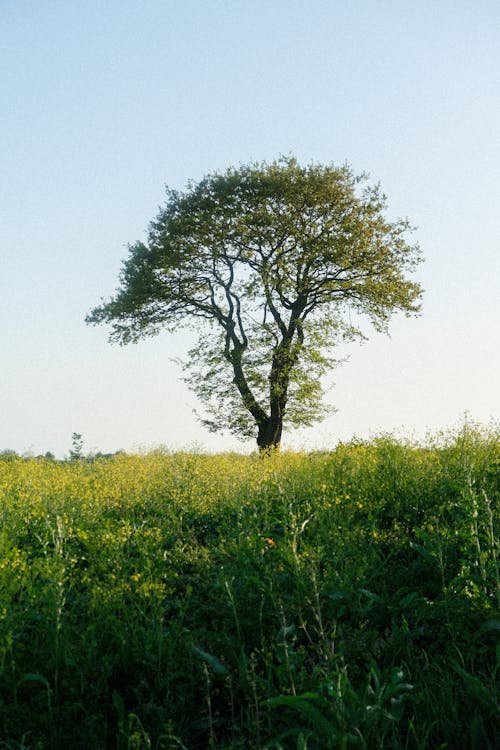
(345,599)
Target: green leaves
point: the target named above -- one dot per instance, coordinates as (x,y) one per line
(272,257)
(213,662)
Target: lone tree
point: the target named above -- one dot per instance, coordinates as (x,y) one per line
(271,259)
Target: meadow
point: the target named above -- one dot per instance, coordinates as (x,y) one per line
(340,599)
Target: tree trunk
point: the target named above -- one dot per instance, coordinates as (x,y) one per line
(269,434)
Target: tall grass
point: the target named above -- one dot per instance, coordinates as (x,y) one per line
(345,599)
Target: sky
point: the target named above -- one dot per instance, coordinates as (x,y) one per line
(103,104)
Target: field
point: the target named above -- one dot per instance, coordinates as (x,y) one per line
(345,599)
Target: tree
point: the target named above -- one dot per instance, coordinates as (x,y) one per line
(76,451)
(273,259)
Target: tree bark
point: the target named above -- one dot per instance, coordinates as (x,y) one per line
(269,434)
(271,428)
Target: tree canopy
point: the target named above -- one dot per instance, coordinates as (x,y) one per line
(267,262)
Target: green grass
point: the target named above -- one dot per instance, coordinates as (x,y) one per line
(345,599)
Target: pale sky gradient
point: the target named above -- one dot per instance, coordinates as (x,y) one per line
(103,103)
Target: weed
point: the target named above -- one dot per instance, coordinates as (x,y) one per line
(345,599)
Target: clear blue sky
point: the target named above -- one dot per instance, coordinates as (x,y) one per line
(103,103)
